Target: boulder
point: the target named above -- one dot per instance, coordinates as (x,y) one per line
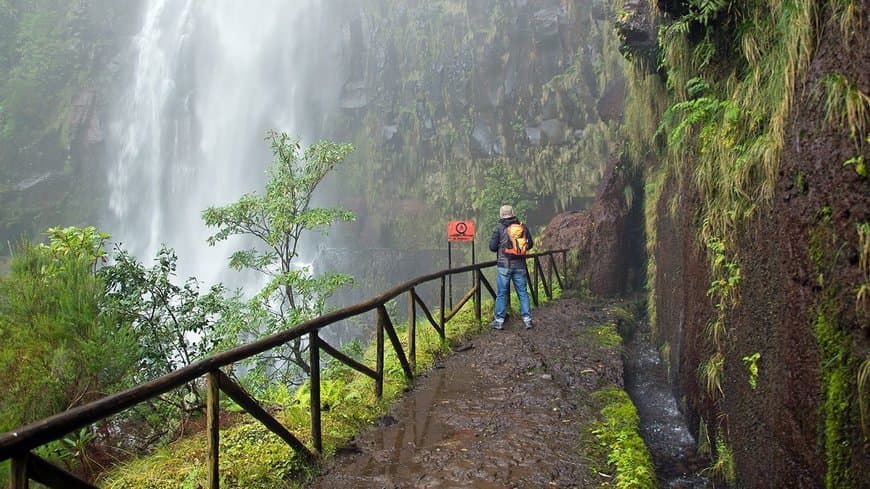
(637,27)
(534,135)
(391,137)
(482,140)
(612,102)
(554,130)
(606,238)
(354,95)
(546,24)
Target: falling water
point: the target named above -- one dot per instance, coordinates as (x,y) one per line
(208,79)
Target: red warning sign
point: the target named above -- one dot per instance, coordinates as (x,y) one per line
(460,231)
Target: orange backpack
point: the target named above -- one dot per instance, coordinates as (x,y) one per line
(518,244)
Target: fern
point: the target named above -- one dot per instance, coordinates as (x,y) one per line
(702,109)
(707,10)
(696,86)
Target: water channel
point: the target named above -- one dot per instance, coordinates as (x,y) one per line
(662,424)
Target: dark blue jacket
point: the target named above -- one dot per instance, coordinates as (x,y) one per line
(499,241)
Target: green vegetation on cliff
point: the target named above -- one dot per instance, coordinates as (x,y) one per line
(53,56)
(733,75)
(449,90)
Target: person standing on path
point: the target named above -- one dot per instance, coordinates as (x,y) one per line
(510,241)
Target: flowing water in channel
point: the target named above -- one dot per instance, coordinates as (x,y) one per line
(663,426)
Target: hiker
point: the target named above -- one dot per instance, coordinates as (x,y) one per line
(510,241)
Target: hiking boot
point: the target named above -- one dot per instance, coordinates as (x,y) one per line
(528,323)
(496,325)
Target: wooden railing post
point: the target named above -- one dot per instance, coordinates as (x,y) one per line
(537,273)
(548,287)
(412,330)
(551,265)
(314,351)
(379,340)
(49,475)
(18,478)
(441,323)
(212,417)
(477,295)
(533,288)
(384,320)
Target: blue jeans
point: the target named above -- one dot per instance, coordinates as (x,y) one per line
(518,276)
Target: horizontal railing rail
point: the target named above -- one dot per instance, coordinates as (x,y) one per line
(18,443)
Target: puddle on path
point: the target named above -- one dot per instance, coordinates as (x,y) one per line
(663,427)
(394,448)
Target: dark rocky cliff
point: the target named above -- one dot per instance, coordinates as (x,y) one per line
(758,229)
(437,93)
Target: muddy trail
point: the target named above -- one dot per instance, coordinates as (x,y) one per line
(509,409)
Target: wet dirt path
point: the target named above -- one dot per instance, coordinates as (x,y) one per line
(508,411)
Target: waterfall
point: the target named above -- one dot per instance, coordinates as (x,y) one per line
(207,79)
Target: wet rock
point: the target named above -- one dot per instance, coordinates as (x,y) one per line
(549,109)
(482,140)
(354,96)
(511,77)
(385,421)
(390,134)
(32,181)
(612,102)
(546,24)
(348,449)
(554,130)
(603,235)
(637,27)
(534,135)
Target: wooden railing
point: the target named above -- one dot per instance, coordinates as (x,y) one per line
(18,444)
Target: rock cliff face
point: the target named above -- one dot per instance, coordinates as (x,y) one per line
(762,319)
(58,63)
(607,238)
(437,92)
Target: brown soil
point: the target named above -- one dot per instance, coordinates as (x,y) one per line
(512,409)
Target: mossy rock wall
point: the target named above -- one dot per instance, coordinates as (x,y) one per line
(58,60)
(759,273)
(437,92)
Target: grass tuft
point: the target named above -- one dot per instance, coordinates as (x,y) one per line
(617,433)
(846,105)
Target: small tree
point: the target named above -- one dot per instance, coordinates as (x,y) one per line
(175,324)
(501,186)
(277,220)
